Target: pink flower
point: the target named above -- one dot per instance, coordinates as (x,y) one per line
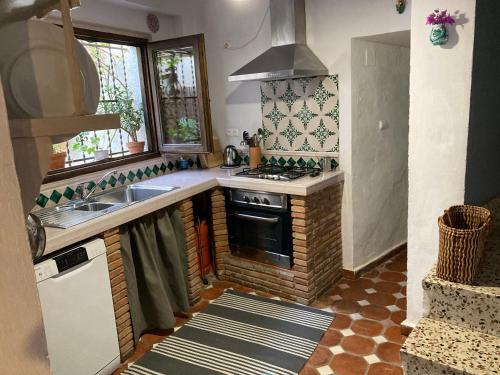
(439,18)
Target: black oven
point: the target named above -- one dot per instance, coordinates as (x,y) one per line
(259,226)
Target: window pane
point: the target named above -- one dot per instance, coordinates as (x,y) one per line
(175,70)
(120,76)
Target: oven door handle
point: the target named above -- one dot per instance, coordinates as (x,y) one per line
(257,218)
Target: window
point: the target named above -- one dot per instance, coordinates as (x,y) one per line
(181,93)
(160,91)
(120,63)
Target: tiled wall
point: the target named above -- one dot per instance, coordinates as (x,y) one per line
(54,193)
(301,115)
(301,161)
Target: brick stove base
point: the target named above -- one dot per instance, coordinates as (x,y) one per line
(317,249)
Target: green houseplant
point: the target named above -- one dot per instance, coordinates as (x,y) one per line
(186,131)
(131,117)
(91,145)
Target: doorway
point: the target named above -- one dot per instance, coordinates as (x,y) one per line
(380,73)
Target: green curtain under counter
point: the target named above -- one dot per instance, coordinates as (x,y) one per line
(155,262)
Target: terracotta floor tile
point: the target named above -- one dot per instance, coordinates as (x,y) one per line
(363,283)
(389,352)
(154,337)
(211,293)
(320,357)
(367,327)
(348,364)
(332,337)
(308,370)
(401,303)
(355,294)
(346,306)
(375,312)
(394,334)
(384,369)
(398,316)
(371,274)
(392,276)
(358,345)
(398,266)
(199,306)
(387,287)
(341,321)
(383,299)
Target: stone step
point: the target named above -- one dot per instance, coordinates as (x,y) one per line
(438,348)
(477,306)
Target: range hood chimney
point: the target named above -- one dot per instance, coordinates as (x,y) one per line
(289,56)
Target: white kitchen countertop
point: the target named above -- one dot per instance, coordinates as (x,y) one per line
(190,183)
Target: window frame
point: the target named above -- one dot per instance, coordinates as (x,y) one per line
(197,41)
(149,117)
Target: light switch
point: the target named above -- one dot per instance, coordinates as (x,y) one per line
(382,125)
(370,59)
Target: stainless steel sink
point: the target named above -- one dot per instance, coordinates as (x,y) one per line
(131,194)
(76,212)
(93,207)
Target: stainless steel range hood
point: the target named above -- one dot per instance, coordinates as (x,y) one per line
(289,56)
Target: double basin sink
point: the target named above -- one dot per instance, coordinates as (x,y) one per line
(78,211)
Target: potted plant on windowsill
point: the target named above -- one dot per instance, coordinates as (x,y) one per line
(91,145)
(131,117)
(58,157)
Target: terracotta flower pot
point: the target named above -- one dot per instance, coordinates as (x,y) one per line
(57,160)
(136,147)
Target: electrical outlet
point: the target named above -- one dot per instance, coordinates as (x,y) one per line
(232,132)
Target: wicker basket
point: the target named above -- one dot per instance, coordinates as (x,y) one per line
(462,233)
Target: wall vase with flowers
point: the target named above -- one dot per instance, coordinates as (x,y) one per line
(439,19)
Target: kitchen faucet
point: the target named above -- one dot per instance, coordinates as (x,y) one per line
(81,186)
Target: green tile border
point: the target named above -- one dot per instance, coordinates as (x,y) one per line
(67,193)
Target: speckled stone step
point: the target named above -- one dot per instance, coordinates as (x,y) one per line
(476,307)
(435,347)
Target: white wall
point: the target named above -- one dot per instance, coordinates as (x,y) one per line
(440,84)
(380,92)
(331,26)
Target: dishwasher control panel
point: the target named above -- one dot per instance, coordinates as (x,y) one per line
(68,259)
(71,259)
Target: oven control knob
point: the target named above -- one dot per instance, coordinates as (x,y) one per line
(256,200)
(246,199)
(265,201)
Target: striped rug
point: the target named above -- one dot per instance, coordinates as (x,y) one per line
(240,334)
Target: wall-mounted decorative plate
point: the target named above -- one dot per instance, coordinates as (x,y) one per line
(153,23)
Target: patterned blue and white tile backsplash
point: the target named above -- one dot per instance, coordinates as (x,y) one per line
(301,115)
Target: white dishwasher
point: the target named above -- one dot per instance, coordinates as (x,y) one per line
(78,314)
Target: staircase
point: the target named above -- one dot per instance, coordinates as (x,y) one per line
(460,333)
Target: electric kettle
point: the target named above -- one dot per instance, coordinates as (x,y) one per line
(231,157)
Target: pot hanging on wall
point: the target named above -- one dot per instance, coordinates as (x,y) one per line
(400,6)
(438,20)
(439,34)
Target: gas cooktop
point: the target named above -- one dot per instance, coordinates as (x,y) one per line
(277,172)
